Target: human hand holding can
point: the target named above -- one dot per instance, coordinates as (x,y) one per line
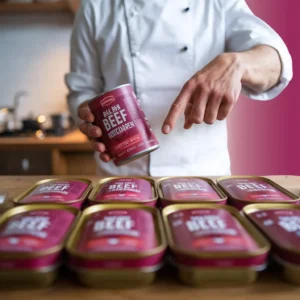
(120,123)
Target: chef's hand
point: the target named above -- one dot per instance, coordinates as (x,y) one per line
(91,131)
(209,95)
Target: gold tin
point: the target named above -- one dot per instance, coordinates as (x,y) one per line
(76,202)
(117,277)
(96,189)
(40,278)
(35,277)
(240,203)
(166,201)
(291,272)
(202,276)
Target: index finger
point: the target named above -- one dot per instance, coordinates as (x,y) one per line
(84,113)
(177,108)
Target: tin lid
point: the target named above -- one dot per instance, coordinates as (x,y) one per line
(222,196)
(106,92)
(293,197)
(6,216)
(263,246)
(97,188)
(285,232)
(21,197)
(75,237)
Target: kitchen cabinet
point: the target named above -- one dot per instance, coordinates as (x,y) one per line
(25,162)
(67,155)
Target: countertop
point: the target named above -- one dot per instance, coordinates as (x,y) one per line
(166,287)
(72,140)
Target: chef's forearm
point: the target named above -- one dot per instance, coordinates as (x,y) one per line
(261,68)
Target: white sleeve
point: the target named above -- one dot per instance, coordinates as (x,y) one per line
(244,31)
(84,79)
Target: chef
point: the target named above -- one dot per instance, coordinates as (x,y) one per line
(188,61)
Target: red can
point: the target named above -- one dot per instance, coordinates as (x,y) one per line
(126,131)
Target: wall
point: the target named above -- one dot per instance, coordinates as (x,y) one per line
(34,55)
(264,136)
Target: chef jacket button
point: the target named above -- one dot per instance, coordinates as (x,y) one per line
(136,54)
(134,12)
(184,49)
(186,9)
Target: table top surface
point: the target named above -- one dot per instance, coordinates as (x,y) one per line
(269,285)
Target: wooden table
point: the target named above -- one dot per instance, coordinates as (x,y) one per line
(268,287)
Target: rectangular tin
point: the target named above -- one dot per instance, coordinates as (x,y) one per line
(77,203)
(148,202)
(197,268)
(126,131)
(31,260)
(240,203)
(284,233)
(116,279)
(291,272)
(39,278)
(222,199)
(100,268)
(201,277)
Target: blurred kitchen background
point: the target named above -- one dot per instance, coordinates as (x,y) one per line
(37,134)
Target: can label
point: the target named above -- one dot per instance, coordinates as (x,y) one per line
(253,189)
(57,191)
(125,128)
(126,230)
(188,189)
(209,230)
(125,189)
(280,225)
(35,230)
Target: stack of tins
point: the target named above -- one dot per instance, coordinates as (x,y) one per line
(280,223)
(66,191)
(244,190)
(175,190)
(117,245)
(32,238)
(212,243)
(140,190)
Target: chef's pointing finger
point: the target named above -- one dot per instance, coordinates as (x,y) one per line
(177,108)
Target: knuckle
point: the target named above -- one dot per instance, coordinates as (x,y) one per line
(190,84)
(176,105)
(216,94)
(196,119)
(209,121)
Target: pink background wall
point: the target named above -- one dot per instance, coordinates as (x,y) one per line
(264,137)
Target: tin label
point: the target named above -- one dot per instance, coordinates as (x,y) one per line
(253,190)
(280,225)
(209,230)
(35,230)
(188,189)
(125,189)
(126,230)
(125,128)
(57,192)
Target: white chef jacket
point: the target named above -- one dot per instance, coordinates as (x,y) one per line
(157,45)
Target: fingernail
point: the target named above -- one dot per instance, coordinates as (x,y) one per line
(166,129)
(96,132)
